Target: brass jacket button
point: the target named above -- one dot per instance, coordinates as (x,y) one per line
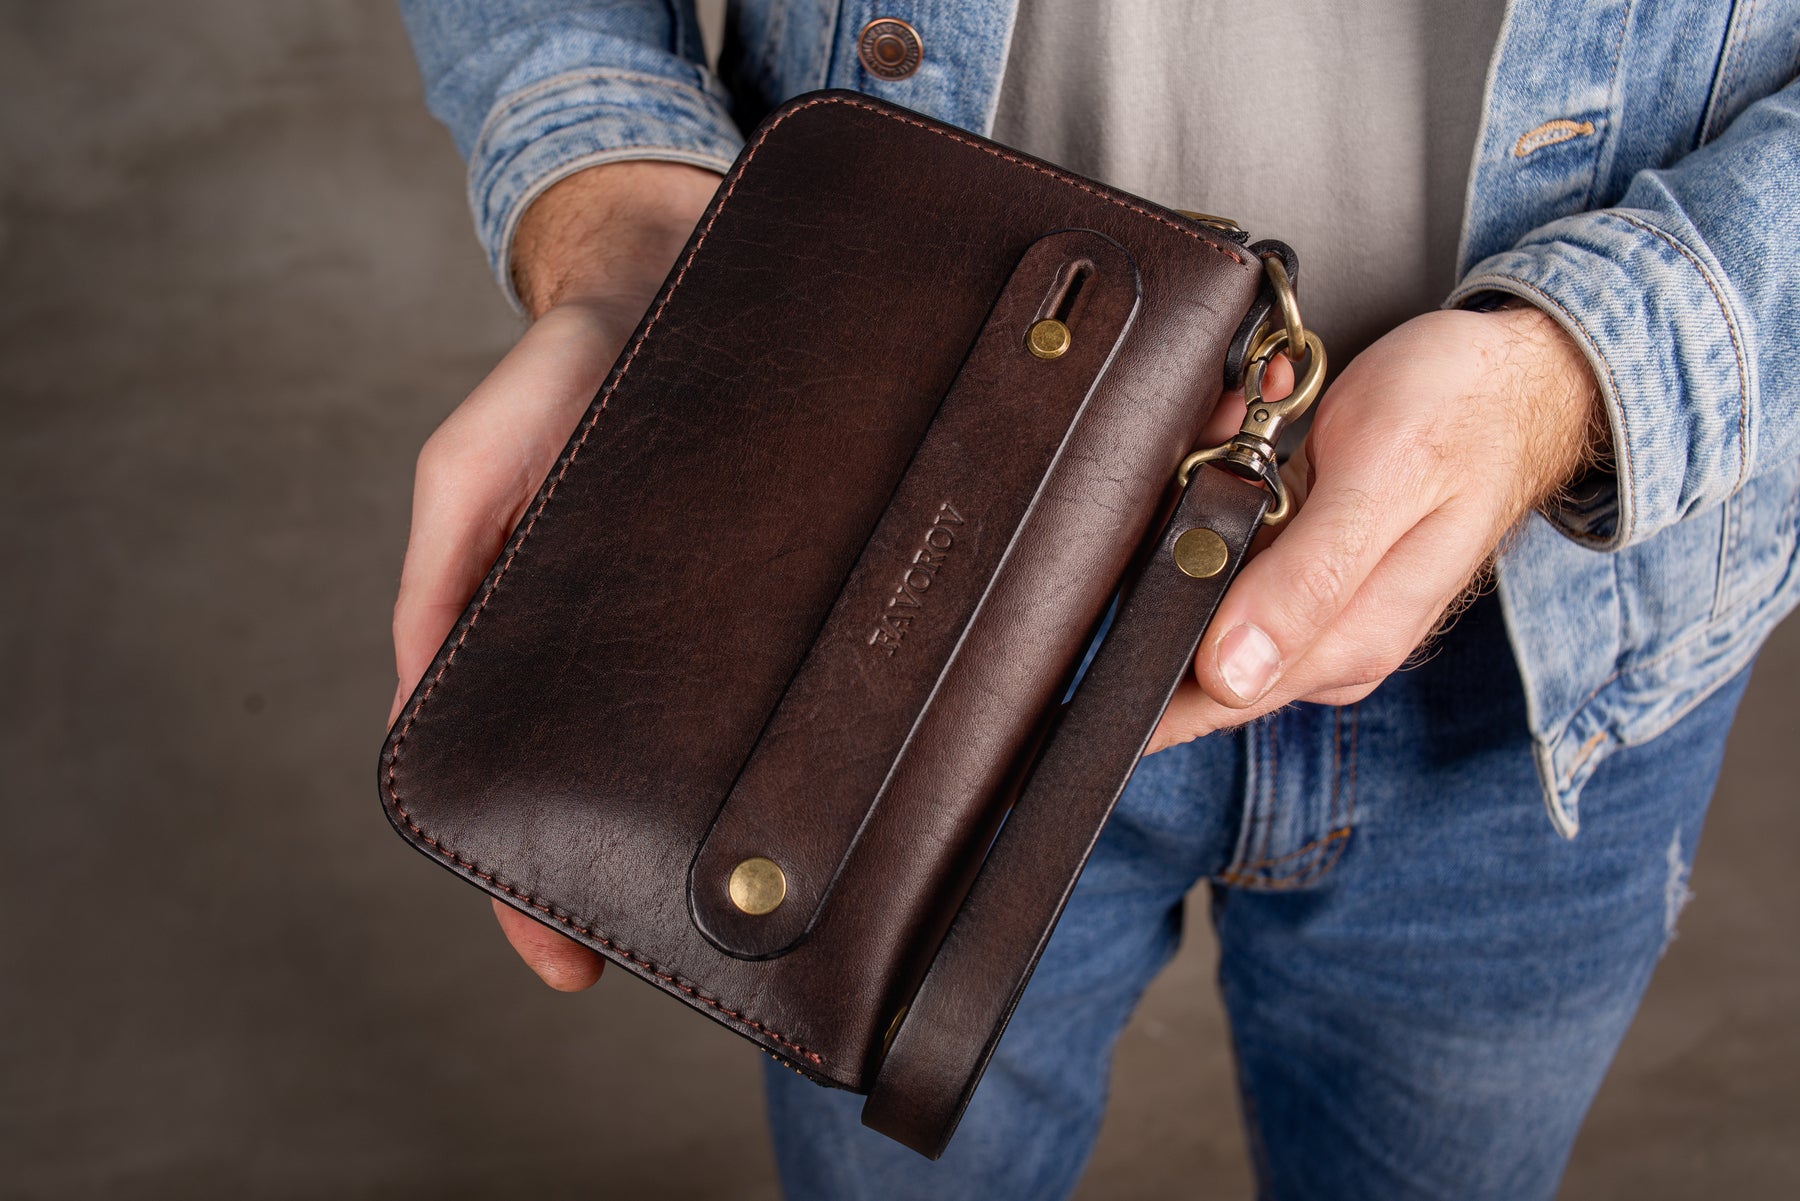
(889,48)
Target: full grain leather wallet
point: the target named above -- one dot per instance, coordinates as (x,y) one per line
(786,632)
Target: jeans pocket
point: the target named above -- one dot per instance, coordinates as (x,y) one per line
(1300,802)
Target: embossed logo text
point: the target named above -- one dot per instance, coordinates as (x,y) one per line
(908,597)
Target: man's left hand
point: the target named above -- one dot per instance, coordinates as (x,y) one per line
(1426,451)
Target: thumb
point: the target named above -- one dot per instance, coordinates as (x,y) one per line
(1289,594)
(559,961)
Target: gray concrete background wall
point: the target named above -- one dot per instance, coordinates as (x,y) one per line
(237,290)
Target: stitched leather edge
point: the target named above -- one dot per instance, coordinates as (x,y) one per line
(986,147)
(393,759)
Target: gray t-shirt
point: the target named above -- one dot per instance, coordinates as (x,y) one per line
(1345,129)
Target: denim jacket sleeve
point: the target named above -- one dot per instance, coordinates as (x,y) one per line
(1681,296)
(535,90)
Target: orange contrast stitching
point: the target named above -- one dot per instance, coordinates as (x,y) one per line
(1243,876)
(1245,869)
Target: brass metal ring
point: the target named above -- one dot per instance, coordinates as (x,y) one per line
(1183,472)
(1290,303)
(1279,511)
(1270,476)
(1251,451)
(1308,385)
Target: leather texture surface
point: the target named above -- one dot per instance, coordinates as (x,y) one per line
(977,976)
(897,675)
(582,728)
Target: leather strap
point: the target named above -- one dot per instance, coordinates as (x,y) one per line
(938,575)
(955,1019)
(1237,352)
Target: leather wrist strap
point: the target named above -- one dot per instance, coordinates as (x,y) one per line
(956,1017)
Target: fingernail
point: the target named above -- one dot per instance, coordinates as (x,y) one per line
(1248,661)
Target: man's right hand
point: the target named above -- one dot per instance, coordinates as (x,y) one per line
(588,258)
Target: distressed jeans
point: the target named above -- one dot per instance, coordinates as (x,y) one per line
(1425,981)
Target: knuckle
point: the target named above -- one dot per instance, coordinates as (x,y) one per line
(1349,520)
(1320,583)
(1430,468)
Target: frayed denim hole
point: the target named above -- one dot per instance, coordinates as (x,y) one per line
(1676,893)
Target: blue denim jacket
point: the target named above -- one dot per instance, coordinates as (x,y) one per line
(1637,176)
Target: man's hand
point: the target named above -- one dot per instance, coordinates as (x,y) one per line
(588,258)
(1428,449)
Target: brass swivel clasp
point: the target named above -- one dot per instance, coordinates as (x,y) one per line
(1251,451)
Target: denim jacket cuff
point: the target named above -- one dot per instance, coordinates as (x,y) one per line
(1651,315)
(544,133)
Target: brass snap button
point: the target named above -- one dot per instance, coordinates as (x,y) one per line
(757,886)
(1201,553)
(889,48)
(1048,339)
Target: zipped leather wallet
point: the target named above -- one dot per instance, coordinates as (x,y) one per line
(771,698)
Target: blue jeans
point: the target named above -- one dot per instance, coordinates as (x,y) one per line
(1425,981)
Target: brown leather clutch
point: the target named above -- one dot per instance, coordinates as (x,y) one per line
(787,631)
